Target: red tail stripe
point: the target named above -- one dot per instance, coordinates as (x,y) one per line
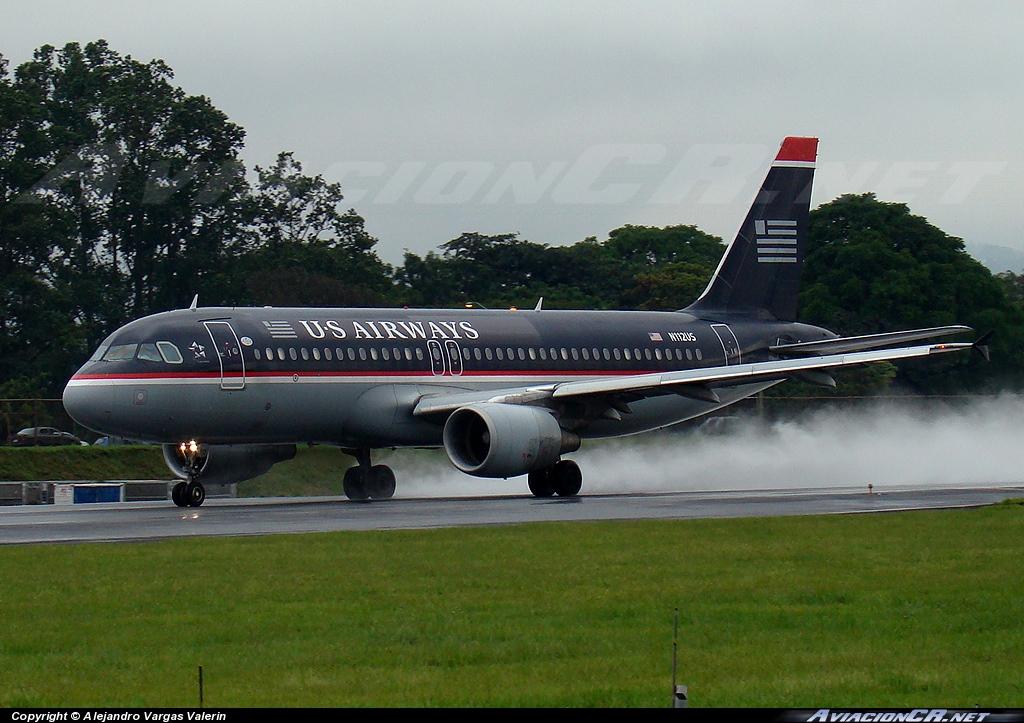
(798,149)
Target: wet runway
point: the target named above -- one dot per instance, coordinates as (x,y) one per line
(135,521)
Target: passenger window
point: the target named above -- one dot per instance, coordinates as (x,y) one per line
(256,353)
(575,354)
(533,354)
(373,353)
(476,353)
(626,353)
(699,355)
(280,353)
(419,354)
(292,354)
(617,354)
(647,353)
(543,353)
(327,354)
(500,353)
(384,353)
(270,354)
(657,354)
(521,354)
(607,355)
(316,353)
(488,353)
(586,354)
(565,354)
(362,353)
(121,352)
(408,354)
(305,354)
(352,354)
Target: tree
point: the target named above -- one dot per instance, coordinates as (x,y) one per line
(122,196)
(636,267)
(873,266)
(303,250)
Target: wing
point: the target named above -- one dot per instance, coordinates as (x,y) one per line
(701,383)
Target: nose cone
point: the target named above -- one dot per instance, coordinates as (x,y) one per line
(89,402)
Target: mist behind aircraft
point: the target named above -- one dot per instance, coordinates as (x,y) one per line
(887,444)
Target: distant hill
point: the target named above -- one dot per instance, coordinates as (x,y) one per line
(997,258)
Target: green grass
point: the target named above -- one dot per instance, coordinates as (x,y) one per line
(82,463)
(314,471)
(901,610)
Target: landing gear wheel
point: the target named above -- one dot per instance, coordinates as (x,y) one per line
(540,482)
(566,479)
(178,494)
(381,483)
(195,494)
(355,484)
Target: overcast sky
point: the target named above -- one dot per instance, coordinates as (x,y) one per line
(565,120)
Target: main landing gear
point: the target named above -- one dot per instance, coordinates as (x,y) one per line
(368,481)
(563,478)
(190,493)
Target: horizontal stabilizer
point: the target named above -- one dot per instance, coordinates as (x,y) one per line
(845,344)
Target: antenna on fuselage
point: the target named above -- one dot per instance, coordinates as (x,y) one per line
(195,303)
(540,304)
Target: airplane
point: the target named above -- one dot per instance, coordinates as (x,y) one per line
(229,392)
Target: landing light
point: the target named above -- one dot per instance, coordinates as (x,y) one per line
(190,447)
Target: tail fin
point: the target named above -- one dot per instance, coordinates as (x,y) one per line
(759,274)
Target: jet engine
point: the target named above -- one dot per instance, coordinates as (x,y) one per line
(222,464)
(505,440)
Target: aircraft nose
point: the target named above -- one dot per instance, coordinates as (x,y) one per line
(89,402)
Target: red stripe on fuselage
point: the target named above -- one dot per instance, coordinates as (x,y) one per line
(401,374)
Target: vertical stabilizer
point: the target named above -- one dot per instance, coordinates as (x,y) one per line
(759,274)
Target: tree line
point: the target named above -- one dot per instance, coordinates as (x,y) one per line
(121,195)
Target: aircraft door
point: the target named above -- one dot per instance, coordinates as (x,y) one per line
(454,357)
(436,357)
(229,354)
(730,345)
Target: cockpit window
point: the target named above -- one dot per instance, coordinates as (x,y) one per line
(120,352)
(148,352)
(169,352)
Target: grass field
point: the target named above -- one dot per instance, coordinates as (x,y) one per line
(909,609)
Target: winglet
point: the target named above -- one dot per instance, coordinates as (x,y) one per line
(981,345)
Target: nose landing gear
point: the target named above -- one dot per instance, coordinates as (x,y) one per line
(190,493)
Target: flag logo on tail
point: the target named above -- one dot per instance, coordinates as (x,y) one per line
(776,241)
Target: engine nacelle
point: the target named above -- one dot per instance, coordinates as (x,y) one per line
(223,464)
(505,440)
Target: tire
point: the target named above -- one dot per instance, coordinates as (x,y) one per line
(195,494)
(178,494)
(566,478)
(540,482)
(382,483)
(354,484)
